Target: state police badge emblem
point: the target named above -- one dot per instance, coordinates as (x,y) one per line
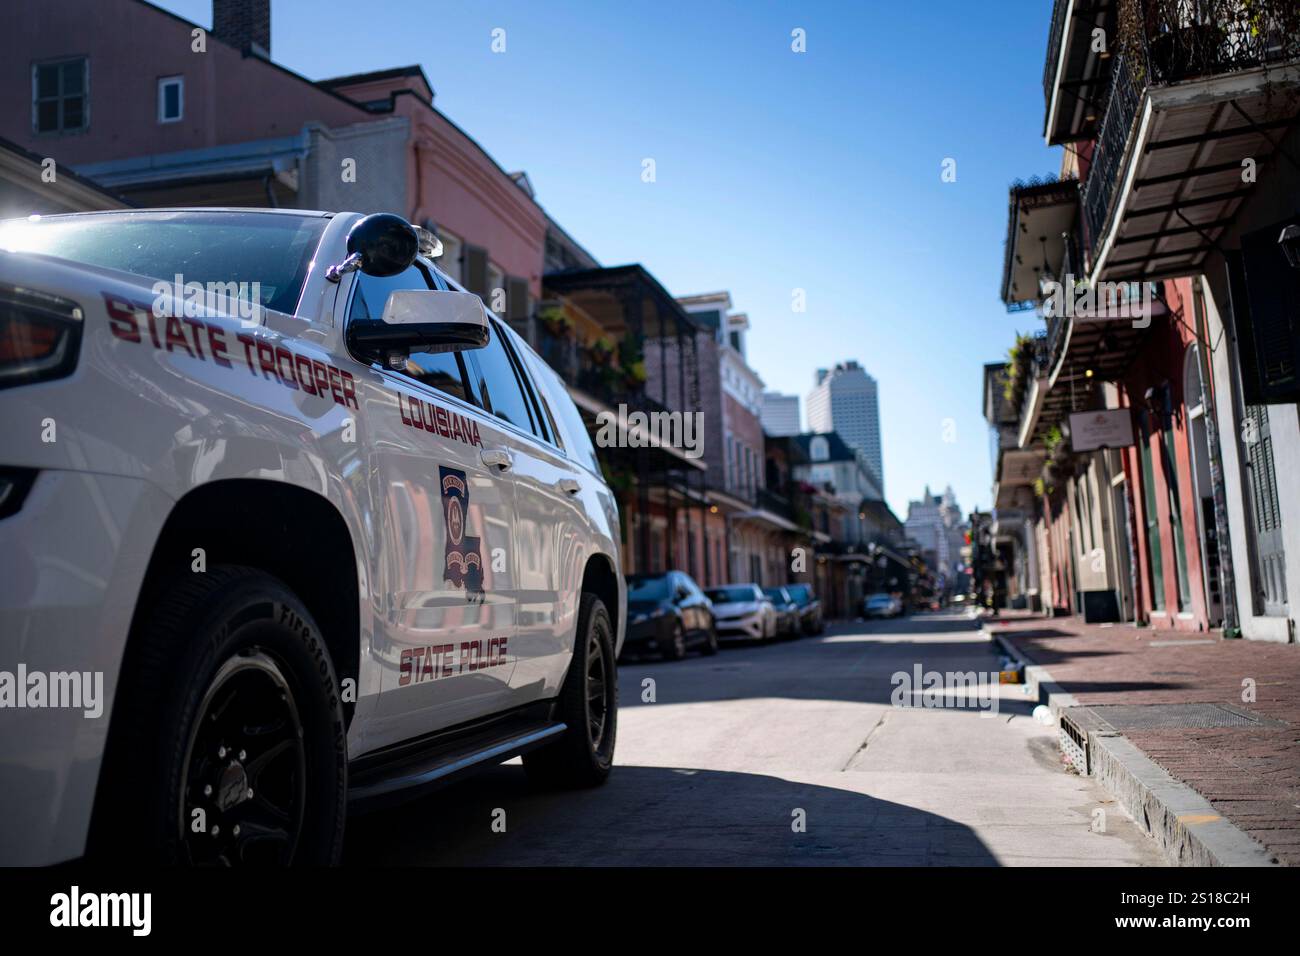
(463,564)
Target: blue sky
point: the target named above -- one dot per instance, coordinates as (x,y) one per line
(775,170)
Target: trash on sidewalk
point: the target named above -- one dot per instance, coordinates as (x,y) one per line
(1011,671)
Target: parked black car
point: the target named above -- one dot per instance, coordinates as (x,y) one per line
(668,613)
(787,612)
(810,608)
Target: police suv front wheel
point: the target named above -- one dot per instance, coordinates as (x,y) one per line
(588,705)
(229,745)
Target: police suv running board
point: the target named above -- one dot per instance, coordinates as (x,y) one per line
(408,770)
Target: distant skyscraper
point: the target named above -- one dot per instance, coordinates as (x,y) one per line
(935,523)
(844,400)
(780,414)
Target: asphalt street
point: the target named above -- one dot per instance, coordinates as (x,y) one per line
(790,753)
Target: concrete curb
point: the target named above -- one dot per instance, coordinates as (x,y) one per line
(1182,822)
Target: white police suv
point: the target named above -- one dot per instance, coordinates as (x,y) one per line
(288,523)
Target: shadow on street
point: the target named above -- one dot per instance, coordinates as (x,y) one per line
(654,816)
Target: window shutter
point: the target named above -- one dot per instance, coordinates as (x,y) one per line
(1273,292)
(475,272)
(516,299)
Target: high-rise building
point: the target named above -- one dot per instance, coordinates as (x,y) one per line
(935,523)
(780,414)
(844,400)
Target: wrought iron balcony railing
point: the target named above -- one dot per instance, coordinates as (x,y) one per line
(597,375)
(1055,36)
(1182,39)
(775,503)
(1112,138)
(1039,367)
(1072,272)
(1169,41)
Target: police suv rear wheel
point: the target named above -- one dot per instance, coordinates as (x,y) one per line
(232,745)
(588,705)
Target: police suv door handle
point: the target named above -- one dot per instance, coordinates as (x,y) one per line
(498,458)
(569,485)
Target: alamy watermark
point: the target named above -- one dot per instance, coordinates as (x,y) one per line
(181,299)
(624,429)
(939,689)
(77,690)
(1073,298)
(133,911)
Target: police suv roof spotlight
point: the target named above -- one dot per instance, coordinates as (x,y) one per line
(1290,243)
(379,245)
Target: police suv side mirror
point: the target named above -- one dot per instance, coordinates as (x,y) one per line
(421,320)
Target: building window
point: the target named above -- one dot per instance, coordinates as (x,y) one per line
(171,99)
(59,92)
(496,291)
(449,261)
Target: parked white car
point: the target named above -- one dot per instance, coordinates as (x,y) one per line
(331,536)
(742,612)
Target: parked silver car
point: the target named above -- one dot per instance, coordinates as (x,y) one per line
(742,612)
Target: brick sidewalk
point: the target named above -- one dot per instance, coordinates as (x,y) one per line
(1250,775)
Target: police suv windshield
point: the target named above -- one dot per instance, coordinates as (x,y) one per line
(273,250)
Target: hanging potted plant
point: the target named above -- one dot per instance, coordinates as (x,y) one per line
(556,321)
(635,375)
(1019,368)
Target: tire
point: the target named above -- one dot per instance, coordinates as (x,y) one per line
(710,646)
(676,649)
(228,717)
(581,757)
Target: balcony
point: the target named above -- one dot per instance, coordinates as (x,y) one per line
(1200,87)
(777,504)
(1076,76)
(1007,394)
(595,369)
(1031,393)
(1040,215)
(639,349)
(1090,332)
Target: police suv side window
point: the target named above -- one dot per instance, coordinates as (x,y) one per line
(496,382)
(444,371)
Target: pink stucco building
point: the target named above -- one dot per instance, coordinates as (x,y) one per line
(168,112)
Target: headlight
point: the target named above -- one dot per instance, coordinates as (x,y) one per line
(40,336)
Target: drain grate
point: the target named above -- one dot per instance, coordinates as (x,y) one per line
(1122,717)
(1074,744)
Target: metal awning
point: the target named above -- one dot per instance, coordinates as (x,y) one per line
(1040,215)
(1076,76)
(770,519)
(1181,180)
(618,297)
